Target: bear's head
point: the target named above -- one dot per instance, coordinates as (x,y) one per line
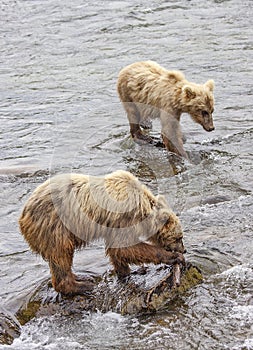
(170,233)
(198,101)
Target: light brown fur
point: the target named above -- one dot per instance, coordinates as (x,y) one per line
(148,90)
(69,211)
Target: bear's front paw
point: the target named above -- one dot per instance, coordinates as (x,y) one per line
(180,259)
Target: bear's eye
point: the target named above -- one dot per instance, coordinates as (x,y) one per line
(205,114)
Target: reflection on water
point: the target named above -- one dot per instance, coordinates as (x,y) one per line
(60,113)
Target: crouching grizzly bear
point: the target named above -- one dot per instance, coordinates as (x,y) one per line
(149,91)
(68,211)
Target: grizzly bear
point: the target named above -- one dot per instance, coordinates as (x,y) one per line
(71,210)
(149,91)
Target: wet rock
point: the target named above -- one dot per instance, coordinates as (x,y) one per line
(9,327)
(146,290)
(215,199)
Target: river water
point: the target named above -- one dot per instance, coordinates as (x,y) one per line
(60,113)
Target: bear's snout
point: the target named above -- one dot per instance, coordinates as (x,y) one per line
(208,127)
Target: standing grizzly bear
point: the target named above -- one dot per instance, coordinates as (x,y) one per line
(147,90)
(69,211)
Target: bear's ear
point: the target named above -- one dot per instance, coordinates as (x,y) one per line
(210,84)
(189,91)
(162,212)
(161,201)
(163,217)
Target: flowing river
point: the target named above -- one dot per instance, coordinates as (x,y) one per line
(59,62)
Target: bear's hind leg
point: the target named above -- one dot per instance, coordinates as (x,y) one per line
(134,119)
(65,282)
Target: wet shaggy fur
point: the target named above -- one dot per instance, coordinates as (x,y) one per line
(149,91)
(69,211)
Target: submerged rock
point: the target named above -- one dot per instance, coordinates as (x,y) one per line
(215,199)
(146,290)
(9,327)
